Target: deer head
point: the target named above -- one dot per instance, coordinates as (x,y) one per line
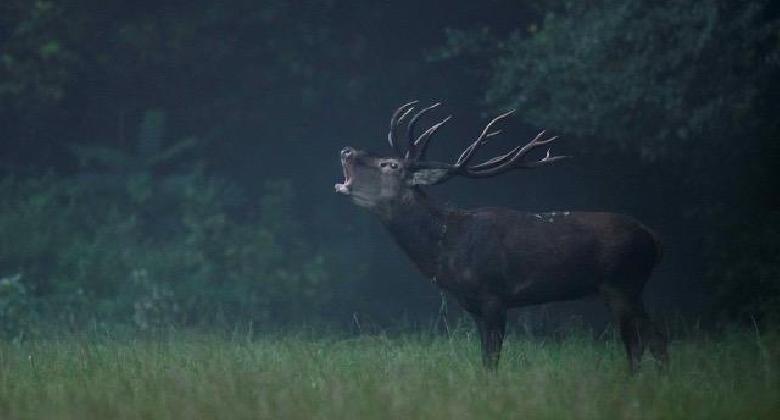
(372,180)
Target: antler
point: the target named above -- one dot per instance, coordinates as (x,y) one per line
(398,116)
(514,159)
(421,144)
(483,138)
(410,128)
(416,149)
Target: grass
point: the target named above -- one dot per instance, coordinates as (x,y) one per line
(299,376)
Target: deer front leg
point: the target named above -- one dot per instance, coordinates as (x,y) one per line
(491,322)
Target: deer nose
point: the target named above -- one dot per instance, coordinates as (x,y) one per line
(347,152)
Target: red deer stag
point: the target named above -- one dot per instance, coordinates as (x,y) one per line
(493,259)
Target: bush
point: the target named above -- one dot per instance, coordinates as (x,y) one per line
(153,252)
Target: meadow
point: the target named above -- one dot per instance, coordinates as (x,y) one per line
(192,375)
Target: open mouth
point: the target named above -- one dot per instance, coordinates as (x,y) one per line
(347,158)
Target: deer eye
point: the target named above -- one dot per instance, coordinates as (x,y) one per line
(394,165)
(383,164)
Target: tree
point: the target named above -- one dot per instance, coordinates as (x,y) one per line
(641,76)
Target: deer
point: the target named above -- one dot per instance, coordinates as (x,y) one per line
(493,259)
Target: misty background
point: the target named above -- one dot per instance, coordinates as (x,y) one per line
(173,163)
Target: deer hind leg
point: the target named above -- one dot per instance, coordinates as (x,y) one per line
(654,338)
(491,322)
(649,336)
(636,329)
(632,339)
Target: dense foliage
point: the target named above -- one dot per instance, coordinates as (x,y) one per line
(153,252)
(127,246)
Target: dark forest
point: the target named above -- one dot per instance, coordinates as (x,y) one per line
(170,165)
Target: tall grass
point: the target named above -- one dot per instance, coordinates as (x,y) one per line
(209,375)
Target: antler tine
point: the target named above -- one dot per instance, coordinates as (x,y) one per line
(516,152)
(468,154)
(514,165)
(513,159)
(404,115)
(422,142)
(397,117)
(498,160)
(412,124)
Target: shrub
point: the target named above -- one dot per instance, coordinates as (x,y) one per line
(153,252)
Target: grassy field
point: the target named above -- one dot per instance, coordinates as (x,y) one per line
(298,376)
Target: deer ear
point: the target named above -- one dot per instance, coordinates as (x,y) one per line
(428,176)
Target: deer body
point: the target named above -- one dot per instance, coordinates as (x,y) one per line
(494,259)
(522,258)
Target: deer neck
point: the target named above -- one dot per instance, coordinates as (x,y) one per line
(419,225)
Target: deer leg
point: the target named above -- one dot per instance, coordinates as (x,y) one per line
(636,329)
(658,348)
(627,311)
(652,336)
(632,339)
(492,326)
